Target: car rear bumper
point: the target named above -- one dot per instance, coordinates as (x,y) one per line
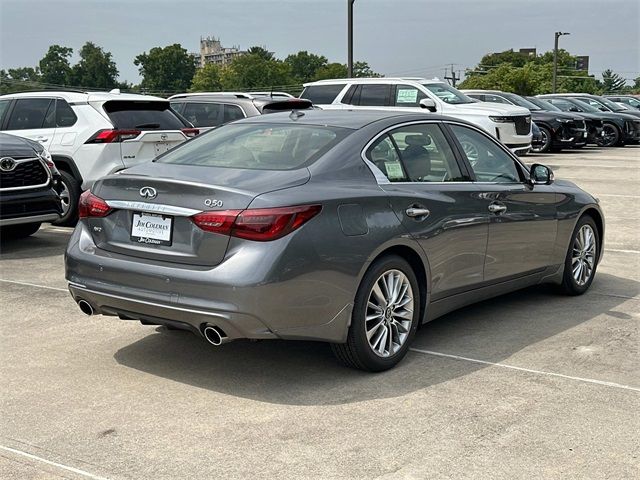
(253,294)
(20,207)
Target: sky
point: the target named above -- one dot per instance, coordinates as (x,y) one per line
(396,37)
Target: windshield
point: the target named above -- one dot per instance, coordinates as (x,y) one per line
(610,105)
(257,146)
(448,94)
(584,105)
(522,102)
(543,104)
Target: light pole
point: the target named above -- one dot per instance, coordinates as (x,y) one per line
(350,38)
(555,59)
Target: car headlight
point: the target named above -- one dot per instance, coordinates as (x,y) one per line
(563,120)
(501,119)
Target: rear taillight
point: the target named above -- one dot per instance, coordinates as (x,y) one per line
(111,136)
(92,206)
(190,132)
(259,224)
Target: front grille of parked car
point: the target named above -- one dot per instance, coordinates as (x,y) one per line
(580,124)
(523,124)
(26,174)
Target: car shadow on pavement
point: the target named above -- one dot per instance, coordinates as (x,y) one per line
(305,373)
(44,243)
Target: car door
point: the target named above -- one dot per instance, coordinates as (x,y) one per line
(33,118)
(523,218)
(431,193)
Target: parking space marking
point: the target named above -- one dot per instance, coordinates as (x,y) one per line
(528,370)
(620,250)
(614,195)
(27,284)
(55,464)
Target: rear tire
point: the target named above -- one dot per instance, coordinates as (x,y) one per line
(70,195)
(385,317)
(14,232)
(581,261)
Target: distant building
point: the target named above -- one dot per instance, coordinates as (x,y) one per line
(529,52)
(212,51)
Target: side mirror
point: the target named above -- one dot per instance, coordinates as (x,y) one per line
(540,174)
(428,103)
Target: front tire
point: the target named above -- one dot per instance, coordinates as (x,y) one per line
(546,141)
(582,257)
(385,317)
(611,137)
(69,196)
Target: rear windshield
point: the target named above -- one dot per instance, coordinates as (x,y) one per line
(322,94)
(257,146)
(140,115)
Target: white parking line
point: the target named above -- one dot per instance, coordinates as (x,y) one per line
(49,462)
(619,250)
(528,370)
(614,195)
(27,284)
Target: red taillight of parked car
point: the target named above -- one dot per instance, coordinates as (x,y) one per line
(258,224)
(190,132)
(92,206)
(113,136)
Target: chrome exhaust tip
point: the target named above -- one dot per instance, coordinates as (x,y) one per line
(214,335)
(86,307)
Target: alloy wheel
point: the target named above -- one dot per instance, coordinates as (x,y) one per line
(609,136)
(544,146)
(65,198)
(583,257)
(389,313)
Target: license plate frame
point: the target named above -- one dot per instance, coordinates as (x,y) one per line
(162,147)
(154,236)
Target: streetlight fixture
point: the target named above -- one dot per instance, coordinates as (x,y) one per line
(350,38)
(555,59)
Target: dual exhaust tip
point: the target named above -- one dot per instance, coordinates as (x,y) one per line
(214,335)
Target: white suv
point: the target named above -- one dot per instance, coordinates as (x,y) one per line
(509,124)
(90,135)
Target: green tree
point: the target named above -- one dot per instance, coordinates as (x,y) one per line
(207,79)
(96,68)
(253,71)
(19,80)
(169,69)
(362,69)
(636,85)
(54,66)
(305,66)
(261,52)
(331,70)
(612,82)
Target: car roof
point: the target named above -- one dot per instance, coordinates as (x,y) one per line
(353,119)
(79,97)
(358,80)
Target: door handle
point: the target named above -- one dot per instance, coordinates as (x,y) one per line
(42,139)
(417,212)
(497,208)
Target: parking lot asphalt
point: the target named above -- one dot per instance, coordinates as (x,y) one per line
(530,385)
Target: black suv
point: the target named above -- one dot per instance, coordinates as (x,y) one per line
(28,187)
(558,129)
(209,110)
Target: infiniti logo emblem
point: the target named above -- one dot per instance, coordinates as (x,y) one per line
(7,164)
(148,192)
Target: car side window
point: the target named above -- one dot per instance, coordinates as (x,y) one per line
(489,162)
(65,116)
(416,153)
(408,96)
(204,114)
(374,95)
(29,113)
(232,112)
(495,99)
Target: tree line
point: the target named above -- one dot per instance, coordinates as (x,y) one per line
(519,73)
(171,69)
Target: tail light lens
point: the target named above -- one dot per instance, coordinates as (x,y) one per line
(92,206)
(259,224)
(190,132)
(113,136)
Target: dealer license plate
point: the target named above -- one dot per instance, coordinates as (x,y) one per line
(151,228)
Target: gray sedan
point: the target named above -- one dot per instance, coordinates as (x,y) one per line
(347,227)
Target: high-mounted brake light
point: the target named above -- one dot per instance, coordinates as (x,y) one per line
(258,224)
(112,136)
(92,206)
(190,132)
